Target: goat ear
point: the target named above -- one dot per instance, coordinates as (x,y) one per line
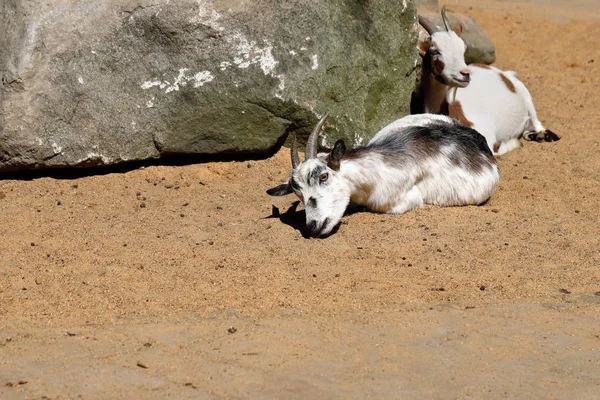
(423,47)
(458,29)
(280,190)
(336,155)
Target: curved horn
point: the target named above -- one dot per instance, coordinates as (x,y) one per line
(294,152)
(445,19)
(428,25)
(311,143)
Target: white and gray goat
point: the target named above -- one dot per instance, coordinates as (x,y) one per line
(416,160)
(493,102)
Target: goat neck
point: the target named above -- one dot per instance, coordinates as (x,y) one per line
(432,91)
(363,173)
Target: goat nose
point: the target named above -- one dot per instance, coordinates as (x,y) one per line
(466,73)
(311,225)
(315,228)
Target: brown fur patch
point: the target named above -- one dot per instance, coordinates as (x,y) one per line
(458,29)
(423,47)
(438,65)
(444,107)
(423,147)
(496,147)
(508,83)
(354,154)
(484,66)
(455,111)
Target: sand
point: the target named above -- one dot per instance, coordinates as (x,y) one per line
(184,282)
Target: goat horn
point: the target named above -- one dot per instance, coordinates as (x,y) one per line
(294,151)
(311,144)
(428,25)
(445,19)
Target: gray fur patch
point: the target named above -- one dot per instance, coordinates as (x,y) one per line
(294,184)
(313,176)
(463,146)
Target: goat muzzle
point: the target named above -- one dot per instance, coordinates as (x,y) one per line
(466,75)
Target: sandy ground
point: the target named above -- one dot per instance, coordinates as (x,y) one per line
(183,282)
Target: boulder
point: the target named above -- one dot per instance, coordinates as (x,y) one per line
(97,82)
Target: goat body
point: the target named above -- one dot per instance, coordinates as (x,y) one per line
(413,162)
(493,102)
(499,106)
(417,160)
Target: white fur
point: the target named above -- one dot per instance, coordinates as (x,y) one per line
(389,187)
(500,115)
(409,120)
(384,188)
(332,199)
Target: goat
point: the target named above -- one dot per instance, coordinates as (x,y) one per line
(493,102)
(416,160)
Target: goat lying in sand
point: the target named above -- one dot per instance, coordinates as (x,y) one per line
(416,160)
(491,101)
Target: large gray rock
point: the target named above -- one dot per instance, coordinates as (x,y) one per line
(97,82)
(480,48)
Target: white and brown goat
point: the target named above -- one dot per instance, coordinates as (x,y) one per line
(416,160)
(493,102)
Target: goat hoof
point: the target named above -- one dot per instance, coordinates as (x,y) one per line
(550,136)
(540,137)
(534,136)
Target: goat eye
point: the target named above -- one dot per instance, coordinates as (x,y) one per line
(435,52)
(324,177)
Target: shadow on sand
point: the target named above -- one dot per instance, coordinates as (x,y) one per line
(297,219)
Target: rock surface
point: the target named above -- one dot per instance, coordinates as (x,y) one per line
(480,48)
(98,82)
